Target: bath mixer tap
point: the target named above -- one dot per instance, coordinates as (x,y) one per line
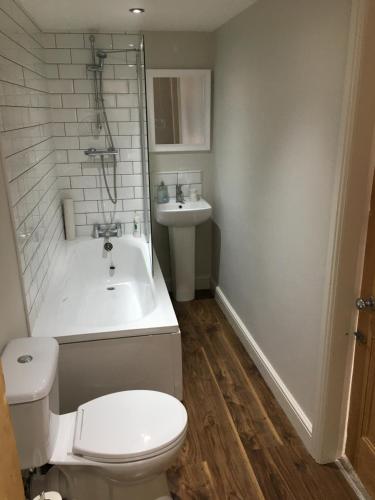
(180,198)
(107,230)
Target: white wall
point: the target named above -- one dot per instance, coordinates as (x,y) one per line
(183,50)
(279,78)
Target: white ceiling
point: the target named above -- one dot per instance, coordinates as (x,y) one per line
(114,15)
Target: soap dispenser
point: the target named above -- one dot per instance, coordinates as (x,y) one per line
(162,193)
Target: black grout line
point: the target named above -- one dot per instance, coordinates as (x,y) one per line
(29,147)
(32,166)
(25,87)
(46,252)
(37,204)
(26,127)
(22,47)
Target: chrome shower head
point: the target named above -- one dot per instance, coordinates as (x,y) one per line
(101,55)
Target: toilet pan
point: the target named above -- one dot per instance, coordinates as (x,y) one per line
(127,436)
(122,461)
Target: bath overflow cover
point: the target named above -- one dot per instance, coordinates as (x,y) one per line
(25,358)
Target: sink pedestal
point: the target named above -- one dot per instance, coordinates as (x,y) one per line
(182,248)
(181,218)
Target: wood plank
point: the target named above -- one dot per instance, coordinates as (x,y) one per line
(246,408)
(275,412)
(192,482)
(211,428)
(240,444)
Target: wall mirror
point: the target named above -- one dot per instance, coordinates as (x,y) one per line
(179,109)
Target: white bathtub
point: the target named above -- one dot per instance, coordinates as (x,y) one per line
(114,321)
(86,300)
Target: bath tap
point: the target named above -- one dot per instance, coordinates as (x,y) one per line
(180,198)
(107,230)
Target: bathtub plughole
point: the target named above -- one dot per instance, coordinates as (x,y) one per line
(113,319)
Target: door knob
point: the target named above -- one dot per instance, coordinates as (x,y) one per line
(367,303)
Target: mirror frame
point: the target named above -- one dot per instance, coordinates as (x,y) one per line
(177,73)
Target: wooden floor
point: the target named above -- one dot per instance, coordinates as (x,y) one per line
(240,444)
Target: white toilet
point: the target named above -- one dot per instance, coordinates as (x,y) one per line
(118,446)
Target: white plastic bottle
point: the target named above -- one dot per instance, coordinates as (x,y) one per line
(136,226)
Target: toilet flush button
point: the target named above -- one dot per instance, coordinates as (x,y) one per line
(25,358)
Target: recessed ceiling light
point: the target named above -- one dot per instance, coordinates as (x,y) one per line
(137,10)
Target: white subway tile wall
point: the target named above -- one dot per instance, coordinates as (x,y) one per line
(27,148)
(80,177)
(47,120)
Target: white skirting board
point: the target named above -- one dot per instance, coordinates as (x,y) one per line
(294,412)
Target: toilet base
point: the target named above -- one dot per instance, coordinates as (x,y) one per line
(85,483)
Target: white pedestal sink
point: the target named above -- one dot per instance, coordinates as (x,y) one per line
(181,219)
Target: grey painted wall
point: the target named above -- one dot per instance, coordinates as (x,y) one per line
(182,50)
(279,78)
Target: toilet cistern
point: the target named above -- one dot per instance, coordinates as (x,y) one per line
(181,219)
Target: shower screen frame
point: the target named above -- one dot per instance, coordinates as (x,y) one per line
(144,144)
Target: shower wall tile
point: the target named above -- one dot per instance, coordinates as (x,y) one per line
(47,40)
(57,56)
(27,146)
(60,86)
(80,177)
(81,56)
(72,71)
(103,41)
(75,101)
(126,72)
(69,40)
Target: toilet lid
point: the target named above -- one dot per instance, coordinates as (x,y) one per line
(128,425)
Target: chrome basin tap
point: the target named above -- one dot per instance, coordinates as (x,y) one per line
(180,198)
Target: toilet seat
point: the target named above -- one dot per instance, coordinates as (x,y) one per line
(128,426)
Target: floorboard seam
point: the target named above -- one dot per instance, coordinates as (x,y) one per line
(254,392)
(234,428)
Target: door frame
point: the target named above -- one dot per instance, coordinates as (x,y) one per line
(349,218)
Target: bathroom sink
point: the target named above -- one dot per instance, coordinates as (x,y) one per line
(188,214)
(181,219)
